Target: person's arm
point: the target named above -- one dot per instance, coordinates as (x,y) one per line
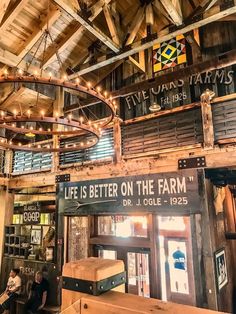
(17,287)
(44,298)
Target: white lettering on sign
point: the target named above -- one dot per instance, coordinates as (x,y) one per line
(171,186)
(210,77)
(31,216)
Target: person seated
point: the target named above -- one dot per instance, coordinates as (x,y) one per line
(12,289)
(38,294)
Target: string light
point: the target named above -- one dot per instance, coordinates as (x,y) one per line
(88,85)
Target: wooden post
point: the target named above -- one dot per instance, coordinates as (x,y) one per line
(57,108)
(6,213)
(8,162)
(117,140)
(208,132)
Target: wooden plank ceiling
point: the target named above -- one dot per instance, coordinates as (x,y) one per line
(89,37)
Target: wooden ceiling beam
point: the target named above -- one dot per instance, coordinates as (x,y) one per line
(173,12)
(111,25)
(218,62)
(3,8)
(12,13)
(135,25)
(158,7)
(75,34)
(210,4)
(47,22)
(13,96)
(91,28)
(212,15)
(98,6)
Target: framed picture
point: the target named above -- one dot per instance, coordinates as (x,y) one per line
(35,235)
(221,269)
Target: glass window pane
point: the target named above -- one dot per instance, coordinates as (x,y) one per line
(109,254)
(178,267)
(138,274)
(123,226)
(173,223)
(77,238)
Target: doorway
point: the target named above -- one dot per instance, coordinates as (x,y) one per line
(177,277)
(137,264)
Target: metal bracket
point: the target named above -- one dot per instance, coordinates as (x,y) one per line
(62,178)
(197,162)
(226,5)
(148,38)
(93,287)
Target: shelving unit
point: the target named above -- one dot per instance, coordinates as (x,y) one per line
(13,242)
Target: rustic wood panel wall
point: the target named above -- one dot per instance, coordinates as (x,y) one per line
(224,120)
(181,129)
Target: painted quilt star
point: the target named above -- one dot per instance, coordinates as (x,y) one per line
(169,54)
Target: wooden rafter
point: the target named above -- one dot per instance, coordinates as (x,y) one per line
(91,28)
(210,4)
(135,25)
(46,23)
(210,16)
(158,7)
(98,6)
(10,99)
(12,13)
(3,8)
(75,34)
(172,11)
(149,14)
(140,64)
(111,24)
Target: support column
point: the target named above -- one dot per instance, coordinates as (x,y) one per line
(6,214)
(57,109)
(117,140)
(208,132)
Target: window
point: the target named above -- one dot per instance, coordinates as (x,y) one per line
(123,226)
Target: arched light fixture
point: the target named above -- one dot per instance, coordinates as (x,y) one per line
(72,126)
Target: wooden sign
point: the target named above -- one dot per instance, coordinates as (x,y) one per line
(173,191)
(31,214)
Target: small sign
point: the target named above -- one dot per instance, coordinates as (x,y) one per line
(31,214)
(221,269)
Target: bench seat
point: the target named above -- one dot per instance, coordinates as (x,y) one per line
(46,308)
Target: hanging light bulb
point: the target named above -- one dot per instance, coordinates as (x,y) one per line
(42,114)
(28,113)
(88,85)
(5,73)
(77,80)
(14,113)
